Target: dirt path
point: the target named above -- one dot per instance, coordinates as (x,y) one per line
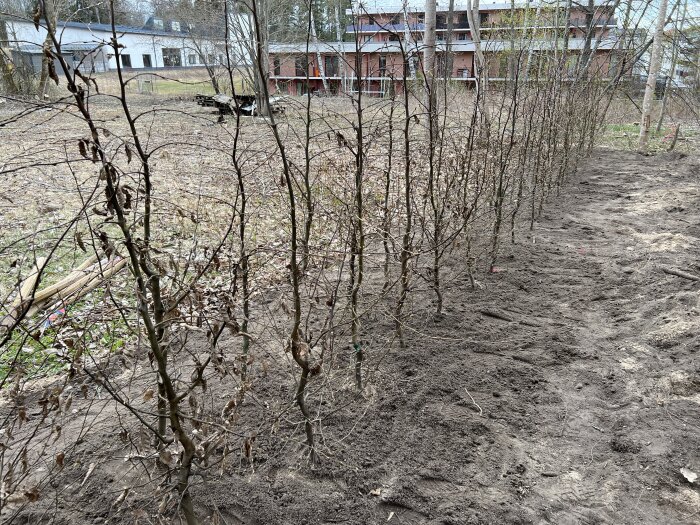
(588,417)
(619,351)
(583,409)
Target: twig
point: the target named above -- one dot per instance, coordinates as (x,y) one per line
(497,315)
(91,468)
(682,274)
(481,412)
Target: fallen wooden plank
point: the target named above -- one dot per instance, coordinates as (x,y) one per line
(26,290)
(96,274)
(83,271)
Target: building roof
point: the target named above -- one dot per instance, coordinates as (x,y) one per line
(92,26)
(106,28)
(36,49)
(413,6)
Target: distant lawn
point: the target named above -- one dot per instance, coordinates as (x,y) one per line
(626,136)
(170,82)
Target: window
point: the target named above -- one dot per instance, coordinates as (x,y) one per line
(331,66)
(382,65)
(393,38)
(277,66)
(368,38)
(175,26)
(440,37)
(192,59)
(172,57)
(126,60)
(484,18)
(462,36)
(147,61)
(463,20)
(441,20)
(301,66)
(211,59)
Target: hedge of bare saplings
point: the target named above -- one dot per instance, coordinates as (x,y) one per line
(212,282)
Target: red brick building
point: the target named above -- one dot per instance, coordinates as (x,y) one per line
(386,30)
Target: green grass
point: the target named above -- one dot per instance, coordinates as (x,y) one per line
(191,86)
(173,88)
(43,354)
(626,136)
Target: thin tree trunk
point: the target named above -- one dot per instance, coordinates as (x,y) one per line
(408,40)
(535,25)
(429,65)
(8,78)
(49,14)
(656,56)
(449,59)
(262,71)
(314,40)
(339,36)
(680,22)
(480,72)
(590,31)
(357,234)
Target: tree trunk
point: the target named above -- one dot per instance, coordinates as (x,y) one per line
(314,40)
(262,71)
(680,22)
(535,25)
(408,42)
(8,79)
(590,31)
(657,51)
(479,72)
(50,16)
(429,65)
(449,59)
(339,36)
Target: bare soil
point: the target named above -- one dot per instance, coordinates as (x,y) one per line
(564,389)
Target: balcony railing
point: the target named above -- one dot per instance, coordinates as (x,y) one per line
(419,27)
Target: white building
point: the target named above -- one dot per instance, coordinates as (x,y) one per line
(87,46)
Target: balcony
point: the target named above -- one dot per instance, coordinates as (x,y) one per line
(597,22)
(374,28)
(578,23)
